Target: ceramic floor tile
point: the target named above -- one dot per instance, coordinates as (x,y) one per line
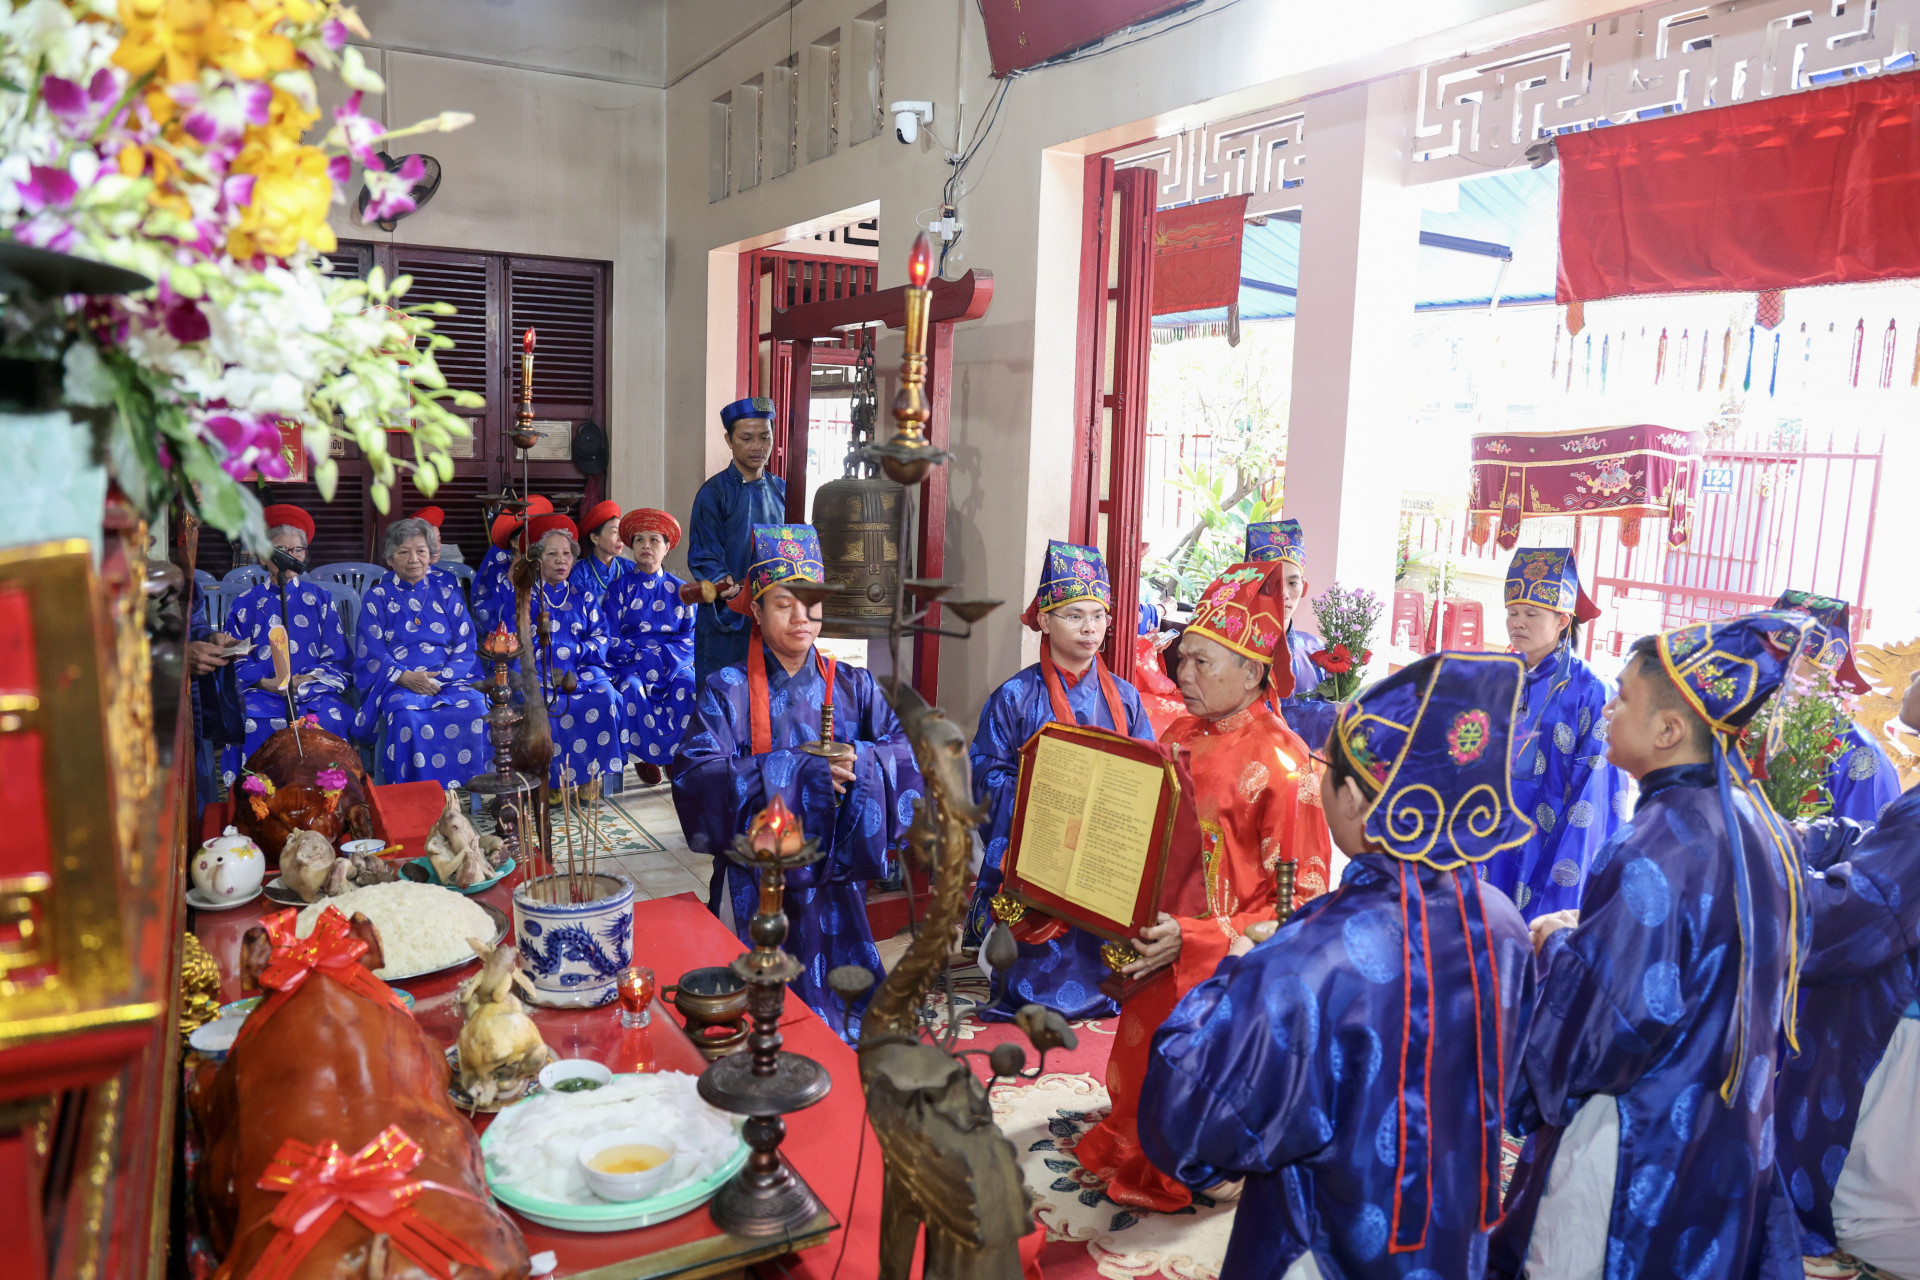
(664,884)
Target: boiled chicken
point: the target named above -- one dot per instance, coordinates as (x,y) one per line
(501,1052)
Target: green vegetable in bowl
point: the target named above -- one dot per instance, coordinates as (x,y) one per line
(576,1084)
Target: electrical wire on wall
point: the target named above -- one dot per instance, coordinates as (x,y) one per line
(958,161)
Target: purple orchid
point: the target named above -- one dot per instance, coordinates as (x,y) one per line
(254,784)
(220,118)
(390,195)
(358,133)
(251,444)
(74,103)
(47,188)
(334,32)
(184,320)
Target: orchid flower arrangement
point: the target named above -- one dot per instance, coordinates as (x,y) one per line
(169,137)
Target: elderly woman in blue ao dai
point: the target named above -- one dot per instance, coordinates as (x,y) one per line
(414,658)
(652,646)
(316,644)
(570,647)
(1561,777)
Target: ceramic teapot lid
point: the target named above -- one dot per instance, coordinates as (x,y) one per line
(231,841)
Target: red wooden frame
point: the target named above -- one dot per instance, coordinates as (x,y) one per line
(798,280)
(1116,266)
(954,301)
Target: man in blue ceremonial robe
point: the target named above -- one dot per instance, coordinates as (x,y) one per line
(744,747)
(1646,1089)
(720,534)
(1849,1101)
(1862,780)
(1306,712)
(1071,684)
(1353,1068)
(318,660)
(1560,772)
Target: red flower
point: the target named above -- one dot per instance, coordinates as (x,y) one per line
(1811,797)
(1336,661)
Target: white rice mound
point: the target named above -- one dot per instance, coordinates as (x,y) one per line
(533,1147)
(422,926)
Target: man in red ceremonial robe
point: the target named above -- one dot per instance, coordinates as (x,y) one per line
(1259,805)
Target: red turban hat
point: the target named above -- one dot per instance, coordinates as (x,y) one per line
(650,520)
(286,513)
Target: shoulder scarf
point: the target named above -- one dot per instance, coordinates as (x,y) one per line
(1057,691)
(759,714)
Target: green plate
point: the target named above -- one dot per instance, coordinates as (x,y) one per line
(616,1217)
(421,871)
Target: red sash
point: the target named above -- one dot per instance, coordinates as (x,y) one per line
(1057,690)
(759,714)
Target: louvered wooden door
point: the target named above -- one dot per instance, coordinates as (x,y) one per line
(496,298)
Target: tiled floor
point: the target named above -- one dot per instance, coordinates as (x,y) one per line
(672,870)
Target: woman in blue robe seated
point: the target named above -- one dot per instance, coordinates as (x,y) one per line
(743,749)
(415,658)
(491,593)
(1071,684)
(570,648)
(1306,712)
(1862,780)
(601,567)
(317,653)
(1560,772)
(1361,1093)
(652,648)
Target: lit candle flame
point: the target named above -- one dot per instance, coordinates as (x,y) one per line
(527,340)
(920,261)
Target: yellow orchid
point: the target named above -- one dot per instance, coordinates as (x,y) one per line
(291,198)
(252,49)
(177,35)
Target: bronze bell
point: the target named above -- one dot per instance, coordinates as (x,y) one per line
(858,520)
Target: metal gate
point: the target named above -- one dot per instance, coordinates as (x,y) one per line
(1778,508)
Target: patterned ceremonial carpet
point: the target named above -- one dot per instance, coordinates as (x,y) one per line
(1089,1235)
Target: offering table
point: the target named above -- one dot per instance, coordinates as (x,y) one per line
(671,936)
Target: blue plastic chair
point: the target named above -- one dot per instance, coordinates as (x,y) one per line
(353,573)
(464,573)
(242,576)
(347,601)
(204,578)
(220,597)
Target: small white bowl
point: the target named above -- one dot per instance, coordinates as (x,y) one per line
(626,1187)
(572,1069)
(352,847)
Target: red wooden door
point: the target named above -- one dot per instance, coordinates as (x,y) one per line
(1116,341)
(771,281)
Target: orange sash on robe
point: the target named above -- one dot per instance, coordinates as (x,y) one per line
(1259,805)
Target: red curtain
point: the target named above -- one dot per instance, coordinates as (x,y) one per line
(1026,34)
(1196,255)
(1812,188)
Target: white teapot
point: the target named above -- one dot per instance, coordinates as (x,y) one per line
(228,868)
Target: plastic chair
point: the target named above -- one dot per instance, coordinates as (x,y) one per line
(243,576)
(220,597)
(204,578)
(347,601)
(464,574)
(353,573)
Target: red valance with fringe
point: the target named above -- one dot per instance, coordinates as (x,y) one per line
(1810,188)
(1628,472)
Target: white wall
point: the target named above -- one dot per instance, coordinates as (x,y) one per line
(566,156)
(1013,379)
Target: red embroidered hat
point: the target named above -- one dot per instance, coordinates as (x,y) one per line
(1244,609)
(650,520)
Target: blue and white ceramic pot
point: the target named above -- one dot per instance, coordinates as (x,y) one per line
(574,951)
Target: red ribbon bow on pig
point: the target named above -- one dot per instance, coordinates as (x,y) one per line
(330,949)
(321,1183)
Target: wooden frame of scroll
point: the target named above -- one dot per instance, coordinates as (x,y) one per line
(1145,903)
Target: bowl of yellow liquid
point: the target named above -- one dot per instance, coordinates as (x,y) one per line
(627,1164)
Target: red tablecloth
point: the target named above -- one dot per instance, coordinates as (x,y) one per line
(670,936)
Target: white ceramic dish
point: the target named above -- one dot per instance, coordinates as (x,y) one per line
(215,1039)
(200,902)
(572,1068)
(352,847)
(627,1188)
(599,1218)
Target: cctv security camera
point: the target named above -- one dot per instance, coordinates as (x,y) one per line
(908,117)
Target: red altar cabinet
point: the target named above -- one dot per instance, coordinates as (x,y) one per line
(1628,472)
(95,778)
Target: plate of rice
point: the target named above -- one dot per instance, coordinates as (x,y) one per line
(423,928)
(532,1150)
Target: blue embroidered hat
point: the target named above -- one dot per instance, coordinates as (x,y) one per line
(1068,573)
(1277,540)
(1435,739)
(781,553)
(1830,640)
(1550,578)
(1726,671)
(751,407)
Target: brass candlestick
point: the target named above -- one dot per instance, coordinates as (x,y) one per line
(810,594)
(767,1198)
(1283,877)
(523,435)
